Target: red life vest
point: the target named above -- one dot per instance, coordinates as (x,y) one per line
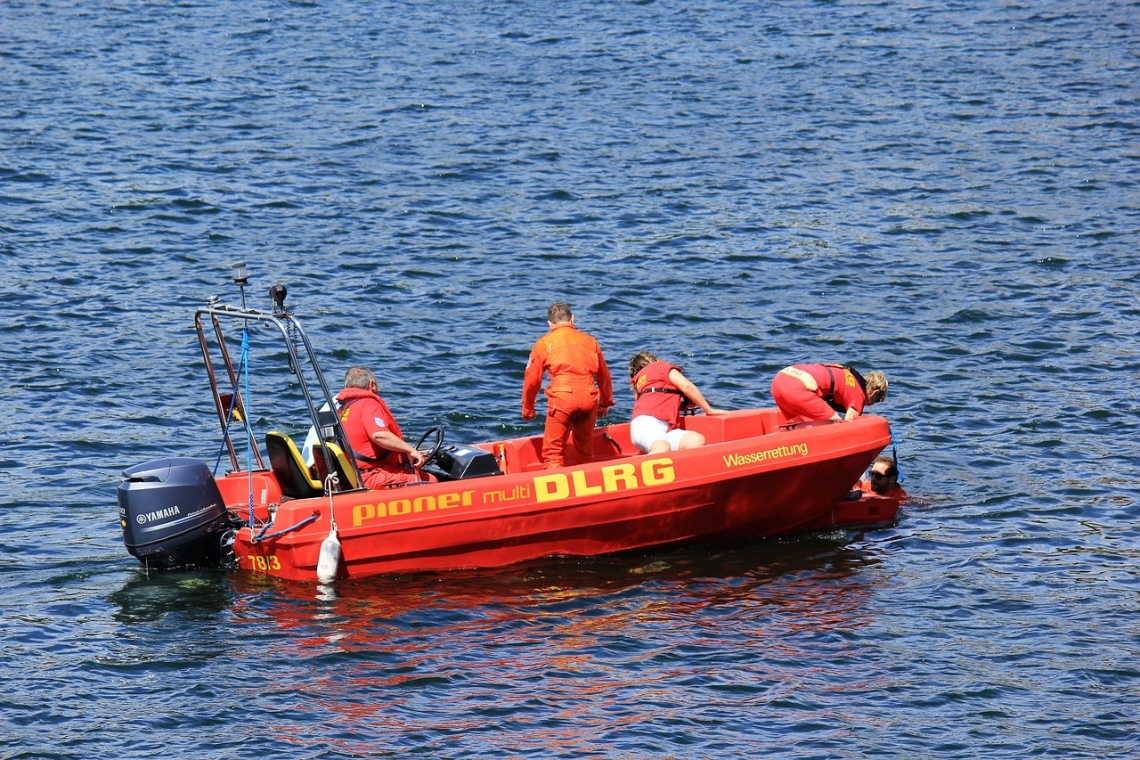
(656,395)
(368,454)
(829,397)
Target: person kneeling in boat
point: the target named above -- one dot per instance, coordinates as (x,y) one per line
(818,392)
(660,391)
(381,452)
(883,479)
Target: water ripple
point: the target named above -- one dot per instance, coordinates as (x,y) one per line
(941,192)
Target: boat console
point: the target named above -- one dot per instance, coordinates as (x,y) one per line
(458,462)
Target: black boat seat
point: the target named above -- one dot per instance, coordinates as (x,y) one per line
(346,475)
(292,473)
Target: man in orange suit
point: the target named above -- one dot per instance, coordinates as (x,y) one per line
(580,387)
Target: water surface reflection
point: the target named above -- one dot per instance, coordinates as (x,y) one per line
(554,645)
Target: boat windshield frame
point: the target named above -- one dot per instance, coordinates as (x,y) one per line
(290,330)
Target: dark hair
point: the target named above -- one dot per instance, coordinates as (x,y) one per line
(559,312)
(892,469)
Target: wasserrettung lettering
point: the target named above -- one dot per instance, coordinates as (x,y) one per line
(753,457)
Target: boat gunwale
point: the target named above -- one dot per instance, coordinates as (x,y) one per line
(395,525)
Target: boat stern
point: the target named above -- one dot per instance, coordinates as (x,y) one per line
(172,514)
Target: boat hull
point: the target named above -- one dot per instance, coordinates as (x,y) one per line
(755,477)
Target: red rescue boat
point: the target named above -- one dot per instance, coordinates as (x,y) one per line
(494,503)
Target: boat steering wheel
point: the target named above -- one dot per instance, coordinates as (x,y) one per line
(434,451)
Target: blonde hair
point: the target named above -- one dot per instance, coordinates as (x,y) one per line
(640,361)
(876,381)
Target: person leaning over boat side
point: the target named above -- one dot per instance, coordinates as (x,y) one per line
(579,392)
(380,450)
(884,479)
(814,392)
(660,390)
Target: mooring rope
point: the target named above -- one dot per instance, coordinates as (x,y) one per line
(260,537)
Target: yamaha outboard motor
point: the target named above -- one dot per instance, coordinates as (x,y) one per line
(172,514)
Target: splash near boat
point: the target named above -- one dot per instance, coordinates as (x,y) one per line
(493,503)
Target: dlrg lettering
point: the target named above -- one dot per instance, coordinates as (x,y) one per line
(614,477)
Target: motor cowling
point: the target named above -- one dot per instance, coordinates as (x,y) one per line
(172,514)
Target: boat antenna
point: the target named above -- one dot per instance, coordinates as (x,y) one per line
(277,292)
(241,277)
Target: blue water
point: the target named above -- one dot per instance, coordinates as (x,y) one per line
(946,191)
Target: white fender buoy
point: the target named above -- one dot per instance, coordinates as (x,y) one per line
(329,561)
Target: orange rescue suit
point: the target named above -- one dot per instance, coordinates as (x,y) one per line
(580,383)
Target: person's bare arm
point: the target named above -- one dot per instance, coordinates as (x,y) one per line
(388,440)
(692,392)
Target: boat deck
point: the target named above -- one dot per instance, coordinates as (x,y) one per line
(613,442)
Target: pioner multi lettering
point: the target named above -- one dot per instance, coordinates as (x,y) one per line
(544,488)
(396,507)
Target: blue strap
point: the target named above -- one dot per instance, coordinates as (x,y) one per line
(245,420)
(895,453)
(262,537)
(243,371)
(242,367)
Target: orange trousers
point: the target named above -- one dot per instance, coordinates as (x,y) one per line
(569,416)
(379,478)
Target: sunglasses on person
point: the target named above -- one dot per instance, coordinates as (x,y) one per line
(878,475)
